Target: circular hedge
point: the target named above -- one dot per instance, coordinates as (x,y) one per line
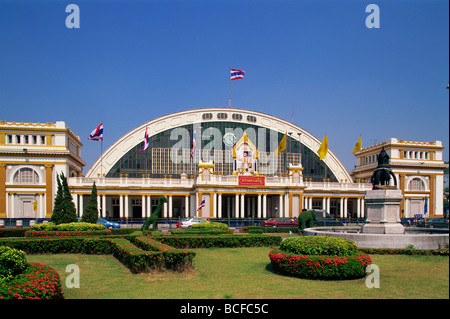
(320,257)
(319,245)
(12,262)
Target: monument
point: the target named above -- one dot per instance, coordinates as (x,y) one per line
(383,201)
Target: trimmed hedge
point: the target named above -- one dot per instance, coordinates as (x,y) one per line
(37,282)
(58,245)
(405,251)
(201,231)
(221,241)
(319,245)
(12,232)
(210,225)
(136,258)
(320,267)
(76,226)
(140,260)
(66,233)
(262,229)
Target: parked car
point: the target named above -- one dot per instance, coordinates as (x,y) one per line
(432,223)
(108,224)
(188,222)
(280,222)
(325,219)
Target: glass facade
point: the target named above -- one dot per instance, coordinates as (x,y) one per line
(170,151)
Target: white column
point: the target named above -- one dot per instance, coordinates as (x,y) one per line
(126,207)
(363,212)
(280,208)
(75,201)
(264,205)
(328,205)
(196,205)
(99,204)
(286,205)
(341,207)
(81,209)
(259,205)
(186,206)
(170,206)
(13,199)
(236,206)
(144,206)
(324,203)
(41,206)
(242,215)
(121,206)
(164,210)
(219,206)
(358,207)
(103,206)
(8,213)
(345,207)
(310,203)
(214,206)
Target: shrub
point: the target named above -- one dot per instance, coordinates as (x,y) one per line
(12,262)
(262,229)
(67,227)
(67,233)
(201,231)
(319,245)
(63,209)
(90,214)
(210,225)
(12,232)
(141,260)
(37,282)
(220,241)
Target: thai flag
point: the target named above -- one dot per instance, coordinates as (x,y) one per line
(236,74)
(193,145)
(97,134)
(202,204)
(146,141)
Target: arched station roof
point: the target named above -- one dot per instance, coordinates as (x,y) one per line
(196,116)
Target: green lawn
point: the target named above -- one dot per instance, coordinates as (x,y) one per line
(246,273)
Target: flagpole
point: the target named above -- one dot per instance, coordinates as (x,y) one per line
(229,98)
(101,159)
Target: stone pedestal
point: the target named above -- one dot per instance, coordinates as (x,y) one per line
(383,212)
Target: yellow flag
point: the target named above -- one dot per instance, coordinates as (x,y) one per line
(358,146)
(323,149)
(34,205)
(282,145)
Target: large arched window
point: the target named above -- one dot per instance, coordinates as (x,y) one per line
(26,176)
(416,184)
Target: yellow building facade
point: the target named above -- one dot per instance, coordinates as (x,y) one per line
(31,156)
(235,168)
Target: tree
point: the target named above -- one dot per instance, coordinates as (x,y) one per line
(90,214)
(63,209)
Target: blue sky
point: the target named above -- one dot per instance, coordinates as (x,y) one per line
(133,61)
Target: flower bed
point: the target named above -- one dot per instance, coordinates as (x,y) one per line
(37,282)
(313,257)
